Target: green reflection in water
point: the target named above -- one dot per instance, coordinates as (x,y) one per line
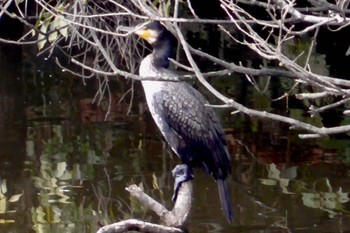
(5,202)
(329,201)
(58,183)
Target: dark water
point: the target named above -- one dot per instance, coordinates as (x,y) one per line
(64,163)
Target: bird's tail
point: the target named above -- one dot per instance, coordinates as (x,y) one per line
(225,198)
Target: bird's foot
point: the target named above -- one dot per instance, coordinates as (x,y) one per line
(181,173)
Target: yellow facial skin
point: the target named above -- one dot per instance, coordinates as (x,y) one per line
(149,35)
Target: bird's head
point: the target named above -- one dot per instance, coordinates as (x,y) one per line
(161,41)
(151,32)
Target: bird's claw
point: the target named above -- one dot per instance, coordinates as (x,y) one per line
(181,173)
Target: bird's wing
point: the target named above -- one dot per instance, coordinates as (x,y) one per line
(198,126)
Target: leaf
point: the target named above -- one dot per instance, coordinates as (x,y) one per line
(76,173)
(155,182)
(15,197)
(268,182)
(44,175)
(42,36)
(330,189)
(53,183)
(57,214)
(33,32)
(274,173)
(3,205)
(311,200)
(40,215)
(4,221)
(53,33)
(62,26)
(61,168)
(289,173)
(53,37)
(331,214)
(60,7)
(342,197)
(3,189)
(68,175)
(30,151)
(64,199)
(284,182)
(284,186)
(60,23)
(329,200)
(141,186)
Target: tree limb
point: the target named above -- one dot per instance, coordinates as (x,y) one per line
(172,219)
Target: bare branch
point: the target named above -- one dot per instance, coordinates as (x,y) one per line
(172,219)
(137,225)
(90,35)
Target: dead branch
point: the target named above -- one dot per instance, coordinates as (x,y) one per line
(172,219)
(137,225)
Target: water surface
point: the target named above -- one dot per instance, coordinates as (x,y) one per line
(65,163)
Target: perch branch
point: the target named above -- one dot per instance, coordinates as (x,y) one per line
(137,225)
(172,219)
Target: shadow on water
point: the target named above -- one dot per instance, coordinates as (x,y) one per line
(64,166)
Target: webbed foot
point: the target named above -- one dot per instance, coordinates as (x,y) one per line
(181,174)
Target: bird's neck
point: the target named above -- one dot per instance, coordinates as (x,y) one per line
(161,54)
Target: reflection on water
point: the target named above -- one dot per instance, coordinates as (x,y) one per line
(65,165)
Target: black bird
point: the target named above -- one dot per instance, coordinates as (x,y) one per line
(191,128)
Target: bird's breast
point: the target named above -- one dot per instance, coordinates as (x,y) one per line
(147,69)
(151,88)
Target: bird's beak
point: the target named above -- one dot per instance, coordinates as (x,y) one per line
(149,35)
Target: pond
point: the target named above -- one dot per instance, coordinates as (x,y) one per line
(65,162)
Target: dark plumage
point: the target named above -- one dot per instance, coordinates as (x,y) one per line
(191,128)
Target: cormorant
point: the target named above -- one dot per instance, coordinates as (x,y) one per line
(191,128)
